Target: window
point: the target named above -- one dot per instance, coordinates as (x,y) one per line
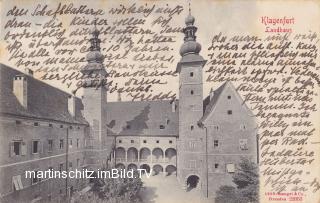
(71,127)
(70,164)
(128,126)
(78,127)
(61,143)
(50,125)
(229,97)
(144,141)
(50,145)
(120,141)
(35,146)
(231,168)
(70,142)
(215,143)
(216,166)
(243,144)
(192,144)
(78,143)
(192,164)
(242,127)
(229,112)
(216,127)
(167,121)
(132,141)
(157,141)
(16,182)
(18,122)
(78,163)
(170,141)
(191,92)
(61,126)
(35,178)
(191,74)
(61,167)
(17,148)
(161,127)
(191,127)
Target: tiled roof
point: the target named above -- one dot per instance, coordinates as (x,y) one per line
(147,118)
(208,104)
(44,101)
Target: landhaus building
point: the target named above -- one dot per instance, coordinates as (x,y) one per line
(198,139)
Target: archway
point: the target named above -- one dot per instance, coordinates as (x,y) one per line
(132,154)
(144,154)
(157,169)
(170,153)
(120,154)
(170,169)
(120,166)
(146,167)
(157,154)
(192,181)
(132,167)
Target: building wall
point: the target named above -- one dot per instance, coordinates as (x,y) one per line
(24,129)
(229,131)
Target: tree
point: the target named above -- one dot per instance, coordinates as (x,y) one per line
(113,190)
(246,179)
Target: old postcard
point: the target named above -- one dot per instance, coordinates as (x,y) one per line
(167,101)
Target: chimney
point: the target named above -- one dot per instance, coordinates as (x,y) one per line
(20,87)
(72,105)
(119,96)
(173,106)
(211,94)
(29,72)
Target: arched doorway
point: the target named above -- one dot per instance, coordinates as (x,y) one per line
(157,169)
(170,169)
(192,181)
(146,167)
(132,167)
(120,166)
(157,155)
(144,154)
(120,154)
(132,154)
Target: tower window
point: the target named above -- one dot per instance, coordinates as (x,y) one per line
(191,92)
(229,112)
(216,143)
(192,127)
(191,74)
(229,97)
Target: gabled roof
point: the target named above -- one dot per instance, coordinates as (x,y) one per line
(210,104)
(44,101)
(142,118)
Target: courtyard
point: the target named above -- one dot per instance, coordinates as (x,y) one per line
(166,189)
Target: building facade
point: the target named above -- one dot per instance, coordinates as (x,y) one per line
(200,141)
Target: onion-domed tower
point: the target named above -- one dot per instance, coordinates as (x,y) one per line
(190,142)
(95,102)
